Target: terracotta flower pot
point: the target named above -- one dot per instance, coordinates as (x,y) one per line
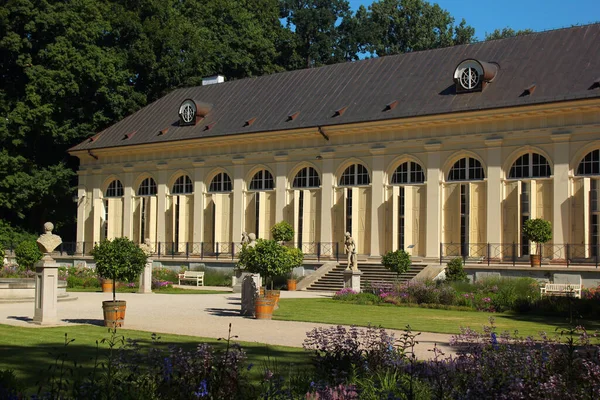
(291,285)
(114,313)
(263,307)
(107,285)
(536,260)
(273,294)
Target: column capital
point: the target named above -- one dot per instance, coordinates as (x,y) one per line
(494,141)
(238,160)
(97,170)
(327,153)
(198,163)
(377,150)
(281,157)
(561,135)
(128,168)
(433,145)
(162,165)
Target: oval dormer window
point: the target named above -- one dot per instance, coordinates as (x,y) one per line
(469,78)
(187,113)
(473,75)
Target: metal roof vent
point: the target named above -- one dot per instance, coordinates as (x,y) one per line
(212,80)
(473,75)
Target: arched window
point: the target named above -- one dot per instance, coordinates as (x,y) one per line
(114,189)
(307,177)
(147,187)
(407,173)
(590,164)
(355,175)
(262,180)
(220,183)
(466,169)
(183,185)
(530,165)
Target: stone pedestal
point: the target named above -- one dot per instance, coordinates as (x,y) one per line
(46,291)
(352,279)
(146,278)
(250,285)
(238,278)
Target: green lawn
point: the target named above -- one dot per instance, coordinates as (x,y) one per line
(165,290)
(31,351)
(420,319)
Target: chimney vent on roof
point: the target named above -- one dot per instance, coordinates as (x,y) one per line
(211,80)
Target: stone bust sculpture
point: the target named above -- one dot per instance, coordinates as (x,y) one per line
(252,238)
(47,242)
(146,247)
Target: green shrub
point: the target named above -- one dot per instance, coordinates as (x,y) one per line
(282,232)
(537,230)
(119,259)
(27,254)
(455,271)
(396,261)
(2,253)
(216,276)
(269,259)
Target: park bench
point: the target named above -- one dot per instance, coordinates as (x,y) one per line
(561,289)
(194,276)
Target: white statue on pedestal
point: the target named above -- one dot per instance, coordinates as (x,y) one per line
(350,250)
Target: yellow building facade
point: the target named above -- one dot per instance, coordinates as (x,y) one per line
(438,166)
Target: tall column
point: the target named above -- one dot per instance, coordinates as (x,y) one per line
(81,202)
(434,195)
(327,182)
(128,193)
(238,217)
(280,186)
(97,206)
(377,206)
(161,203)
(199,189)
(494,190)
(395,217)
(562,211)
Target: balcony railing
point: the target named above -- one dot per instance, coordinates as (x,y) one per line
(515,254)
(195,250)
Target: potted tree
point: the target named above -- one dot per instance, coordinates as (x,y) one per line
(538,231)
(269,259)
(117,259)
(396,261)
(283,232)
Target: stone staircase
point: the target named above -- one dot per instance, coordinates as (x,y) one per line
(333,280)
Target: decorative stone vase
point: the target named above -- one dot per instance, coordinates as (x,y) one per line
(107,285)
(114,313)
(291,285)
(263,308)
(536,260)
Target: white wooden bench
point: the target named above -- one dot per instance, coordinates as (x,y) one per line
(561,289)
(194,276)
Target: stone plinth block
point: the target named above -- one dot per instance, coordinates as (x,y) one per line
(146,278)
(238,277)
(250,290)
(46,291)
(352,279)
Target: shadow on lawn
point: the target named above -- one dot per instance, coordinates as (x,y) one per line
(561,323)
(33,364)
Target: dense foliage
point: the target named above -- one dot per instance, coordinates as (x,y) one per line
(269,258)
(396,261)
(537,230)
(70,69)
(282,232)
(119,259)
(27,254)
(455,272)
(348,363)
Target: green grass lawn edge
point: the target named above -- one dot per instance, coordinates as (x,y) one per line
(328,311)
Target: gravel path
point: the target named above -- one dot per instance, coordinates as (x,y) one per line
(204,315)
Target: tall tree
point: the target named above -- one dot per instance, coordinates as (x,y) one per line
(401,26)
(316,26)
(506,33)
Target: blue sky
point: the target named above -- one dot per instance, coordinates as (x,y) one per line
(485,16)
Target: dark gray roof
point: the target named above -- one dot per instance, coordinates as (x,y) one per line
(563,64)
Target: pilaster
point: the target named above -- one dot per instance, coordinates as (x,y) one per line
(161,205)
(494,190)
(377,196)
(562,211)
(327,183)
(128,193)
(280,186)
(199,189)
(238,198)
(434,195)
